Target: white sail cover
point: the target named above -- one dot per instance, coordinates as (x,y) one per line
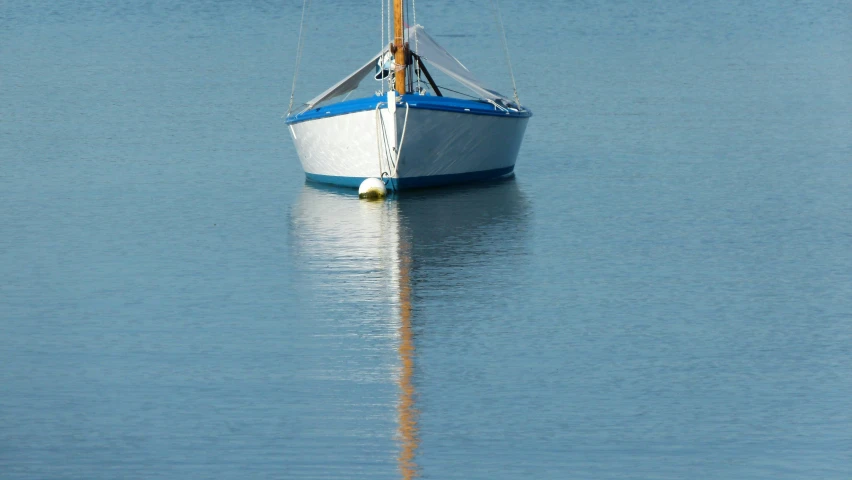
(428,50)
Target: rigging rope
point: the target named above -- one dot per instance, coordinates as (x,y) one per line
(380,128)
(306,4)
(499,19)
(416,44)
(391,154)
(456,91)
(389,40)
(401,141)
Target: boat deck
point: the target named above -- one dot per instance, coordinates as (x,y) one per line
(425,102)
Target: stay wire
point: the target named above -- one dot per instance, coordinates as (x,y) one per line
(499,19)
(306,5)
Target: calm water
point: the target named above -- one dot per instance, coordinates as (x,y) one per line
(663,291)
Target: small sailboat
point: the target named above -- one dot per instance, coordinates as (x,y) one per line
(409,134)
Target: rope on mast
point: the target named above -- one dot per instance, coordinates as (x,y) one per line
(306,4)
(390,39)
(499,19)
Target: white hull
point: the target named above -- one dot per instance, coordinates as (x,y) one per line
(437,146)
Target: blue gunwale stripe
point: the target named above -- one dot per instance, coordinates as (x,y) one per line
(406,183)
(423,102)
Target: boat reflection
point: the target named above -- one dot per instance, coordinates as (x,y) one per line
(374,253)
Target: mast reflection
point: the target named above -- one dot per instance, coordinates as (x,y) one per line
(408,431)
(377,252)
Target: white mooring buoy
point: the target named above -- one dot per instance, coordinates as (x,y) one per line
(372,189)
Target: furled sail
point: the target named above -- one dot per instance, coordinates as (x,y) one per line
(435,55)
(429,51)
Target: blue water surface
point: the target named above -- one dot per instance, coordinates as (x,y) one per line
(664,290)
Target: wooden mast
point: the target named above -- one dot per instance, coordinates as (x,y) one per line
(400,50)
